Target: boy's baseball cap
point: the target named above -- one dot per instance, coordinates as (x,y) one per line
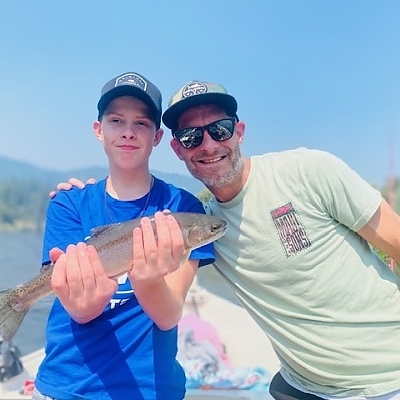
(195,93)
(132,84)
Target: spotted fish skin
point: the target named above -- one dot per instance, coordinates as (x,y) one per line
(114,246)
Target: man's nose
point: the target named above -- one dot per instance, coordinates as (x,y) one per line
(208,143)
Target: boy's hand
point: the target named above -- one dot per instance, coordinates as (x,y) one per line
(80,282)
(155,256)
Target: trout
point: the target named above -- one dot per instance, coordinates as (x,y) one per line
(114,245)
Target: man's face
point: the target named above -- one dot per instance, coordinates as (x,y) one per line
(128,132)
(215,163)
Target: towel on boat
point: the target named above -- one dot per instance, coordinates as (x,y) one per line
(207,366)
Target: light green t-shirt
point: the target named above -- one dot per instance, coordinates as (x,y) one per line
(329,305)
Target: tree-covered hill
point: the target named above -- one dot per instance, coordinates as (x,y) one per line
(396,195)
(24,190)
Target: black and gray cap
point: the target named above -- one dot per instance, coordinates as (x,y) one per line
(195,93)
(136,85)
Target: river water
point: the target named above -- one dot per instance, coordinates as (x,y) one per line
(20,260)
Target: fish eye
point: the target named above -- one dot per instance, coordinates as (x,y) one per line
(215,227)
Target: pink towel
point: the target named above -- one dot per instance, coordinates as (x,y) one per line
(203,330)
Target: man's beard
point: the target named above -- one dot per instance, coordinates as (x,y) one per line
(213,179)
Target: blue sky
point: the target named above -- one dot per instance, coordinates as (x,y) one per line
(306,73)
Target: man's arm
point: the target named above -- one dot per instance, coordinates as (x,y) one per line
(383,231)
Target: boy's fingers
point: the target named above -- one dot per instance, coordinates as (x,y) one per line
(54,254)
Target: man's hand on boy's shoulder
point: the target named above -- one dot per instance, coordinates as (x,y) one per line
(70,184)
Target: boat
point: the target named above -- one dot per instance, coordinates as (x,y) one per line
(244,353)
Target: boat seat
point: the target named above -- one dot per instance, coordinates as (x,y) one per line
(10,363)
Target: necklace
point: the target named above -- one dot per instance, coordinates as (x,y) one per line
(143,209)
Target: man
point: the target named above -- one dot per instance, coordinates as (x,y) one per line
(297,252)
(107,339)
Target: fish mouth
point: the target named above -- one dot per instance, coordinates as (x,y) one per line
(223,230)
(218,233)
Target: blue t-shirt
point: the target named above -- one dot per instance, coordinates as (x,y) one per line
(121,354)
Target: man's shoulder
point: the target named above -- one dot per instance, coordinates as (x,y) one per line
(297,155)
(296,152)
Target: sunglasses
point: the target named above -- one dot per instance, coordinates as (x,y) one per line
(220,130)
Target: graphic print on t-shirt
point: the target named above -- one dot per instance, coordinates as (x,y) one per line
(291,231)
(124,292)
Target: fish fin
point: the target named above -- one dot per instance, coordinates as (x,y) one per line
(185,256)
(45,268)
(10,319)
(99,230)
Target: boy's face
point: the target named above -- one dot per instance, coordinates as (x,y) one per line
(128,132)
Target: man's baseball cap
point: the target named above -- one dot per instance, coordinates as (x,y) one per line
(132,84)
(195,93)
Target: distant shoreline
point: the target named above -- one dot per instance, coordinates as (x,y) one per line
(20,226)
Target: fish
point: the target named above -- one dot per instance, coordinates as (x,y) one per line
(114,245)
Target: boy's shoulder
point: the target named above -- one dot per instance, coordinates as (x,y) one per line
(76,194)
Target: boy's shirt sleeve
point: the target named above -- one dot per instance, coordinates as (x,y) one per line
(204,254)
(63,224)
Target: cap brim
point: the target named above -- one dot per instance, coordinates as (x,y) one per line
(224,100)
(126,90)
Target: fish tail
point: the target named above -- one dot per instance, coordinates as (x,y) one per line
(10,319)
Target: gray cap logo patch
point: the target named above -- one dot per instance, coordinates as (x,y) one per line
(194,88)
(132,79)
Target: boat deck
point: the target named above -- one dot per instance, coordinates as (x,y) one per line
(245,343)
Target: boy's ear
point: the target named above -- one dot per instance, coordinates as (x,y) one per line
(157,137)
(98,132)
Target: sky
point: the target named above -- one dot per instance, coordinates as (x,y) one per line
(320,74)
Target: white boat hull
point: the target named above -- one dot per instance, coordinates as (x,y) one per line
(245,343)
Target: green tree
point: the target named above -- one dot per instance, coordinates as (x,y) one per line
(396,194)
(8,215)
(205,195)
(22,204)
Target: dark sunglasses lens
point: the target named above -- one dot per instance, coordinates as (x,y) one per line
(222,130)
(190,138)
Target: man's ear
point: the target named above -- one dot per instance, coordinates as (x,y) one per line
(177,148)
(240,128)
(158,136)
(98,132)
